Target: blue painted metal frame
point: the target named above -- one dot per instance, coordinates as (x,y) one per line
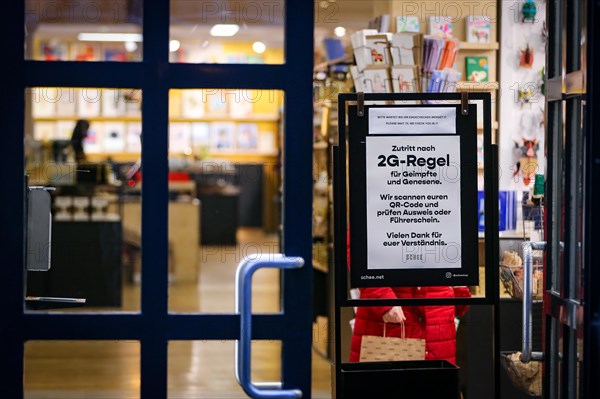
(154,326)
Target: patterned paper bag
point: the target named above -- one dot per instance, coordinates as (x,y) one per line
(375,348)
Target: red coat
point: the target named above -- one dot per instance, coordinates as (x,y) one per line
(434,323)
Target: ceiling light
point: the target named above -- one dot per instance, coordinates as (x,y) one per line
(110,37)
(131,46)
(340,31)
(224,30)
(174,45)
(259,47)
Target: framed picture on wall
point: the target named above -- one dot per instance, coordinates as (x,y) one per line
(247,136)
(43,102)
(216,104)
(114,136)
(113,103)
(180,138)
(64,130)
(44,131)
(65,103)
(88,102)
(200,134)
(134,137)
(222,136)
(240,104)
(93,142)
(267,143)
(192,103)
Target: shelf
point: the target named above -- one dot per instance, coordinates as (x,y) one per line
(494,125)
(124,118)
(479,46)
(234,157)
(225,118)
(477,86)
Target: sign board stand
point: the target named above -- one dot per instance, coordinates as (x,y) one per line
(405,179)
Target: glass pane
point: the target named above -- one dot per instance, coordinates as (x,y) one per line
(227,32)
(82,369)
(205,369)
(84,145)
(83,31)
(224,183)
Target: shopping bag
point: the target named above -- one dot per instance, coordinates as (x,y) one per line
(375,348)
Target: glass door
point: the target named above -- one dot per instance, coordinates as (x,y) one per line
(569,348)
(219,188)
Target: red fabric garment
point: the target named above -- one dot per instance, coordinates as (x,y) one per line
(434,323)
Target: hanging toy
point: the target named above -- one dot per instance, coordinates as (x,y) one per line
(525,95)
(529,11)
(527,164)
(526,58)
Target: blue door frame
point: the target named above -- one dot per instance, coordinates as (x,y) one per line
(154,326)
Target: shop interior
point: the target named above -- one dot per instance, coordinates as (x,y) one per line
(225,176)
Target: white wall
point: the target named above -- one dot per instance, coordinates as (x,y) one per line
(518,121)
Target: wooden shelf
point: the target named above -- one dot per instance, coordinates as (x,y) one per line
(258,118)
(494,125)
(479,46)
(234,157)
(477,86)
(91,119)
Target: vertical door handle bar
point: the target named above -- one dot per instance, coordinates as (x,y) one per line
(526,351)
(243,307)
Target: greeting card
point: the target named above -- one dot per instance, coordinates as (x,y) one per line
(477,69)
(377,80)
(440,26)
(478,29)
(408,23)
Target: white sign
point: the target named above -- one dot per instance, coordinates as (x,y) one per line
(412,120)
(413,202)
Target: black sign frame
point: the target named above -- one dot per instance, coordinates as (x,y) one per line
(468,273)
(340,276)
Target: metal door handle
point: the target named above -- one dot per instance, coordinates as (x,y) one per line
(243,307)
(526,353)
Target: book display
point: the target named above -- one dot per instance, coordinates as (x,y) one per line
(433,53)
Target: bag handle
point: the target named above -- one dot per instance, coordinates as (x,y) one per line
(403,333)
